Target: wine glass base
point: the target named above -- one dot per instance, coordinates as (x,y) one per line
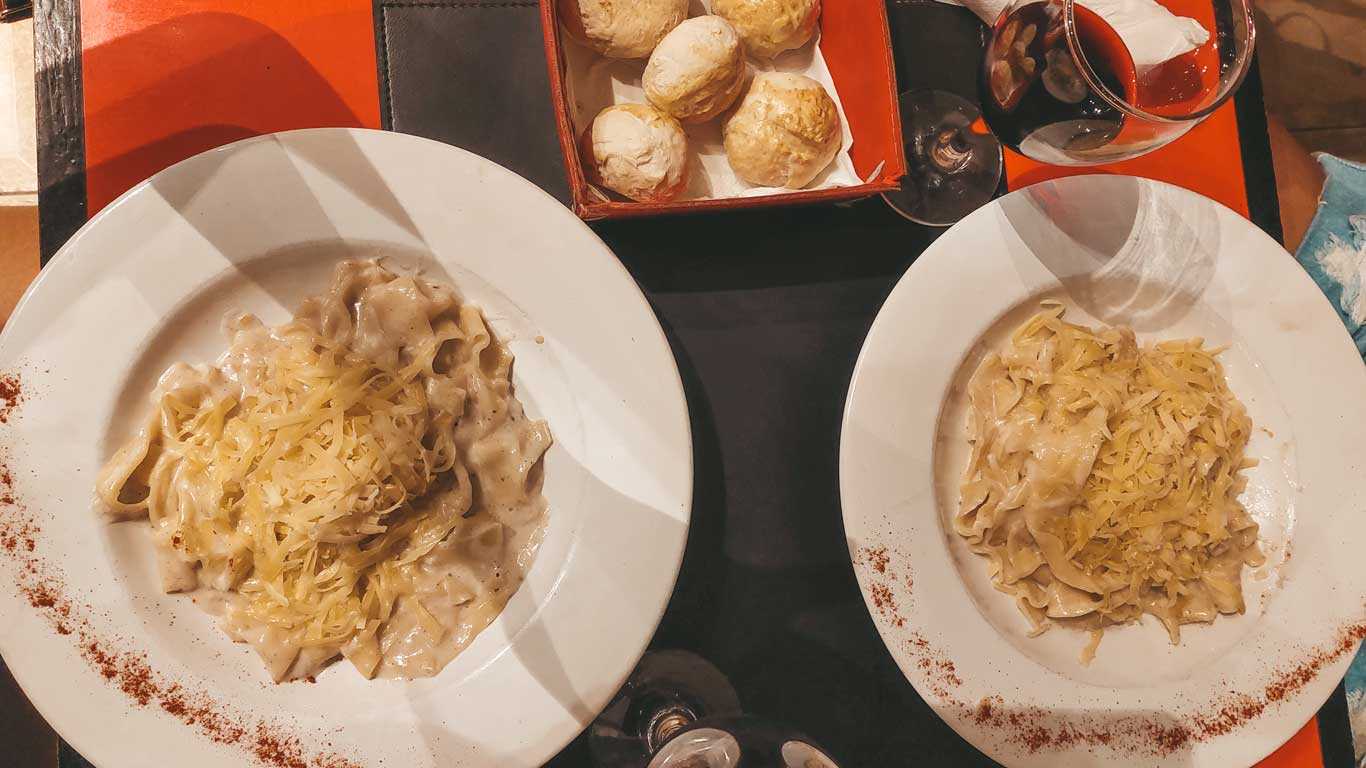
(667,691)
(953,166)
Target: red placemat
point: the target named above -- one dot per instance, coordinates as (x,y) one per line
(167,80)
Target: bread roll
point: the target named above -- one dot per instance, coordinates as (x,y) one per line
(770,27)
(622,29)
(697,70)
(785,131)
(637,151)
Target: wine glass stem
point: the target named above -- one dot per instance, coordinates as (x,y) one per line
(950,151)
(665,724)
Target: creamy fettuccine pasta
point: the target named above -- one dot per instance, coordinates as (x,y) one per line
(1104,478)
(359,482)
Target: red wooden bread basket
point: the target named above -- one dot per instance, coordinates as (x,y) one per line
(857,49)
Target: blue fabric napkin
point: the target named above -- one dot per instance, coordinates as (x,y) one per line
(1334,248)
(1334,254)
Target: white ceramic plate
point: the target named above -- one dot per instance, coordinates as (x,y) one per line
(1169,263)
(257,225)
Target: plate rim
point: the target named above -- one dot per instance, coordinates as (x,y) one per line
(866,520)
(567,726)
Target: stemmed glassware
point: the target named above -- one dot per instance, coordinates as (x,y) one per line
(679,711)
(1059,85)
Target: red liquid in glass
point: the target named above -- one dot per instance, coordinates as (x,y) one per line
(1033,92)
(1037,102)
(1190,81)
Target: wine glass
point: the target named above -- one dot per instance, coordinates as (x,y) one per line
(1059,85)
(953,165)
(678,711)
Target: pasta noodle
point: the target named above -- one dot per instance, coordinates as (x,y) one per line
(1103,478)
(360,481)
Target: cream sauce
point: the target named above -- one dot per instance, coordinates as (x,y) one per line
(490,486)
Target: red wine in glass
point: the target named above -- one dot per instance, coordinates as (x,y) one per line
(1035,97)
(1059,86)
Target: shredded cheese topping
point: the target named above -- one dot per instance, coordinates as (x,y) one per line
(313,473)
(1104,478)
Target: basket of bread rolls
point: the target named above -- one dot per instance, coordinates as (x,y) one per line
(668,106)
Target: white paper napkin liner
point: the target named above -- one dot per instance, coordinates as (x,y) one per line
(594,82)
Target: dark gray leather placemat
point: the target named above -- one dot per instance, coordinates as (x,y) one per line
(473,74)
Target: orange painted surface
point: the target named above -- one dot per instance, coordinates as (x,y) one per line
(1302,751)
(1207,160)
(167,80)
